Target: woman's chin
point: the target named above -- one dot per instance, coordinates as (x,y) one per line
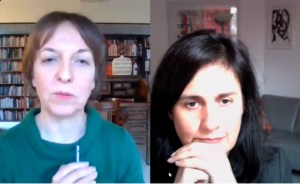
(64,110)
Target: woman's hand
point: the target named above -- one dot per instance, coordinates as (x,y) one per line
(188,175)
(209,158)
(79,172)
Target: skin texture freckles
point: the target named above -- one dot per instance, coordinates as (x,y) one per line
(210,106)
(64,64)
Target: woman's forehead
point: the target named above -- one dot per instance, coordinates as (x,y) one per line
(211,80)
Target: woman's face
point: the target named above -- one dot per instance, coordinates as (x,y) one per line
(210,108)
(64,71)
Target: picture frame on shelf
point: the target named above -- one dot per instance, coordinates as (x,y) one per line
(280,26)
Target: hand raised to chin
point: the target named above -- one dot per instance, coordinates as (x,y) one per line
(189,175)
(209,158)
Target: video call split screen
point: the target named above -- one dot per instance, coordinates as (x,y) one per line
(149,91)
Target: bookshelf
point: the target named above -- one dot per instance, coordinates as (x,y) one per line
(15,97)
(135,47)
(15,101)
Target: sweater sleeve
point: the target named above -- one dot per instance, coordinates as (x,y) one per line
(132,169)
(285,168)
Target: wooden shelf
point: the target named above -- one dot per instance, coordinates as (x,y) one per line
(11,47)
(121,78)
(18,96)
(10,71)
(12,96)
(11,59)
(11,84)
(12,108)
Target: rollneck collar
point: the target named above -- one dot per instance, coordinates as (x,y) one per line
(62,151)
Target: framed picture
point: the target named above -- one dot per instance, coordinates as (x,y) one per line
(187,17)
(281,27)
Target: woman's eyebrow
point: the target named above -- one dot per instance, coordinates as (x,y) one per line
(53,50)
(196,97)
(48,49)
(223,95)
(199,97)
(82,50)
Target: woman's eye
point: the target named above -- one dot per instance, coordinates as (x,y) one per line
(49,60)
(192,104)
(225,102)
(82,61)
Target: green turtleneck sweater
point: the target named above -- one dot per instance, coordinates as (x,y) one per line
(26,158)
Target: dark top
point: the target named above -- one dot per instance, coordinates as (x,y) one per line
(26,158)
(278,170)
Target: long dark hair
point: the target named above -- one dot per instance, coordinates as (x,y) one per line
(177,68)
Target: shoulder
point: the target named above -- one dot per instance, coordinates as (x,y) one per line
(125,153)
(114,131)
(11,136)
(277,169)
(9,142)
(117,137)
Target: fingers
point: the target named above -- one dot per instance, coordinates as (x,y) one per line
(194,163)
(183,154)
(198,149)
(80,174)
(90,178)
(66,169)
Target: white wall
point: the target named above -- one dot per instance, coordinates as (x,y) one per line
(252,36)
(282,67)
(112,11)
(252,33)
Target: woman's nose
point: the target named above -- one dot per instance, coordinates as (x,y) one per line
(65,73)
(210,118)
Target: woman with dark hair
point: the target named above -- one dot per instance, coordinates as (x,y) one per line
(206,122)
(66,140)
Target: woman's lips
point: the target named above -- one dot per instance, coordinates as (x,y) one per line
(209,140)
(64,95)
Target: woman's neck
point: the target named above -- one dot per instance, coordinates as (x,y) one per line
(61,130)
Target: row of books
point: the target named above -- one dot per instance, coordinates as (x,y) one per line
(7,115)
(11,66)
(12,90)
(13,41)
(15,78)
(124,47)
(11,53)
(16,103)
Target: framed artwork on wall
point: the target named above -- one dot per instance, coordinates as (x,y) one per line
(281,27)
(190,16)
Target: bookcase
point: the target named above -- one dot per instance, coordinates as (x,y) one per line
(132,90)
(135,47)
(15,97)
(15,100)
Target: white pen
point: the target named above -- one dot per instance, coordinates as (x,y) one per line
(77,153)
